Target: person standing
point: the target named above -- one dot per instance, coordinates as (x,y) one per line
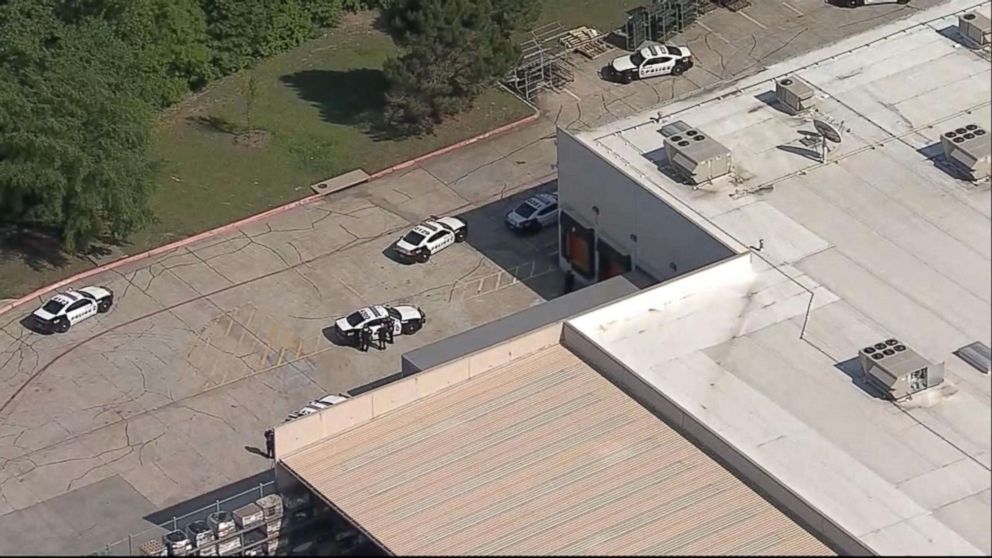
(270,444)
(366,339)
(390,327)
(382,335)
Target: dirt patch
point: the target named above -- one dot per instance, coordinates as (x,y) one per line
(254,140)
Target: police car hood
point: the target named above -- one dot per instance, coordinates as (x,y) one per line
(623,64)
(408,312)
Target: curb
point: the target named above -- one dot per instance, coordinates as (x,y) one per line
(12,303)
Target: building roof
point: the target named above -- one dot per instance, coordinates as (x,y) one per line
(541,455)
(889,244)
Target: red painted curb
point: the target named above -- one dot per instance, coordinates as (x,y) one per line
(258,216)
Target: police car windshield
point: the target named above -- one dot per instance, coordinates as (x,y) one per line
(413,237)
(636,59)
(525,210)
(354,319)
(52,306)
(674,51)
(393,313)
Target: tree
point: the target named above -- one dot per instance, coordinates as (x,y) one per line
(249,91)
(455,49)
(242,31)
(73,132)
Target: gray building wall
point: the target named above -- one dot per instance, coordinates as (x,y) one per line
(664,236)
(484,336)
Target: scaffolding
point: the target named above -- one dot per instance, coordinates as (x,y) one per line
(543,63)
(658,21)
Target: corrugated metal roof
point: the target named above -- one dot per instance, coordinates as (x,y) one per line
(540,456)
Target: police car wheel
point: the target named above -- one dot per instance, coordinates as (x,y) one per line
(62,325)
(104,305)
(410,328)
(461,235)
(422,257)
(626,77)
(678,69)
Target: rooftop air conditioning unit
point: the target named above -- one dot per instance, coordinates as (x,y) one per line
(694,154)
(898,370)
(969,150)
(975,28)
(794,94)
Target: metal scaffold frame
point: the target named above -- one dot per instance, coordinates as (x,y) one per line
(543,63)
(659,21)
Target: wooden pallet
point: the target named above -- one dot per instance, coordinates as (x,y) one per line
(587,42)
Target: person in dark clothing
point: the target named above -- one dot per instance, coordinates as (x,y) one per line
(390,325)
(381,334)
(365,340)
(569,282)
(270,443)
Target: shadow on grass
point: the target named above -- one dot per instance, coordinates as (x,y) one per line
(216,124)
(352,97)
(38,248)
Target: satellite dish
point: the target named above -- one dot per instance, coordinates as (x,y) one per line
(828,132)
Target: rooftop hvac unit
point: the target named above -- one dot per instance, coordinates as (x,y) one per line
(969,150)
(898,370)
(794,94)
(975,28)
(694,154)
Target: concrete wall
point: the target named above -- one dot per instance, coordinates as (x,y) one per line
(302,432)
(664,235)
(552,311)
(735,461)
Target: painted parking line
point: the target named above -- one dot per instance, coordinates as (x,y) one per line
(503,279)
(573,95)
(791,7)
(751,19)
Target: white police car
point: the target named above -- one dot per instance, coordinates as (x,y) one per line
(534,214)
(650,61)
(404,320)
(71,307)
(318,405)
(430,237)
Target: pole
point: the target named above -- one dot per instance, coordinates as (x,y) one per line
(130,549)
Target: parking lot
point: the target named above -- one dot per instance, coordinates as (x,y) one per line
(207,346)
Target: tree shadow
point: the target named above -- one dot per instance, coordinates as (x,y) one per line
(39,248)
(351,97)
(216,124)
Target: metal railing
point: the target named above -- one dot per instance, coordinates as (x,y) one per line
(129,546)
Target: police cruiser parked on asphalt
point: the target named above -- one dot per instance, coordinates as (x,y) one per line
(71,307)
(534,214)
(430,237)
(318,405)
(650,61)
(404,319)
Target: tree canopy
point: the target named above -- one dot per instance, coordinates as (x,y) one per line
(454,50)
(80,81)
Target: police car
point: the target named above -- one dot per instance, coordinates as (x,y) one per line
(534,214)
(404,320)
(71,307)
(430,237)
(318,405)
(650,61)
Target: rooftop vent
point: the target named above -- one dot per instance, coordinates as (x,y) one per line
(975,29)
(898,370)
(978,355)
(968,150)
(693,154)
(794,94)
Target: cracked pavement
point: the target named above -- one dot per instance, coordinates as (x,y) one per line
(208,345)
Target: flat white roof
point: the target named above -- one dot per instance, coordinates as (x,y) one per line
(889,245)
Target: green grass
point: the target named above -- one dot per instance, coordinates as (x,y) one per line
(312,103)
(604,15)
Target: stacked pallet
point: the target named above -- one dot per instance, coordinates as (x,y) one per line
(176,543)
(202,537)
(271,506)
(223,525)
(586,41)
(153,548)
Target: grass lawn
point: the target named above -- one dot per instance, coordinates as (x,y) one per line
(310,104)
